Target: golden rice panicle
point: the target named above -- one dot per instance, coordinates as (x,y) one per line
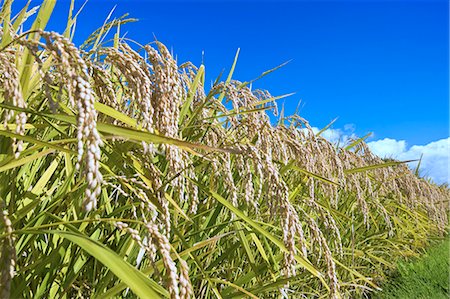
(137,87)
(140,190)
(188,74)
(163,245)
(387,219)
(7,255)
(269,146)
(75,79)
(280,207)
(168,93)
(290,225)
(103,84)
(157,191)
(185,283)
(88,140)
(258,167)
(10,82)
(228,178)
(324,216)
(243,167)
(167,97)
(191,187)
(318,236)
(179,286)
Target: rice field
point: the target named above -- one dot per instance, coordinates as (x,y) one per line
(123,176)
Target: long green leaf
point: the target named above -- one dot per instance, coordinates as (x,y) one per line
(141,285)
(107,110)
(376,166)
(127,133)
(302,261)
(40,22)
(230,75)
(36,141)
(357,141)
(6,16)
(191,94)
(326,127)
(240,289)
(121,286)
(313,175)
(265,73)
(22,161)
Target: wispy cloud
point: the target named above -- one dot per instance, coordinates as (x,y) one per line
(340,136)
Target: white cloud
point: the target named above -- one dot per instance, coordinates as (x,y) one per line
(333,135)
(350,127)
(337,135)
(435,160)
(388,148)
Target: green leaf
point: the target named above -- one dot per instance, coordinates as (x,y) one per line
(141,285)
(240,230)
(38,188)
(22,161)
(241,112)
(302,261)
(33,140)
(127,133)
(109,111)
(40,22)
(6,16)
(240,289)
(416,171)
(104,29)
(260,247)
(20,17)
(265,74)
(357,274)
(376,166)
(191,94)
(310,174)
(326,127)
(356,142)
(230,75)
(148,271)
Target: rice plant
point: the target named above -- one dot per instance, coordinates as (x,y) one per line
(123,176)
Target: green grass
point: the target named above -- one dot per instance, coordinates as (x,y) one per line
(425,277)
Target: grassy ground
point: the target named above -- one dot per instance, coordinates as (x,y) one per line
(426,277)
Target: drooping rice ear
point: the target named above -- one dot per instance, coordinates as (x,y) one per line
(75,75)
(10,81)
(7,255)
(138,82)
(163,245)
(186,290)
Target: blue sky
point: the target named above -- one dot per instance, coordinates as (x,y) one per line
(379,66)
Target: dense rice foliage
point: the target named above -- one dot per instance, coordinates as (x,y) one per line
(122,176)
